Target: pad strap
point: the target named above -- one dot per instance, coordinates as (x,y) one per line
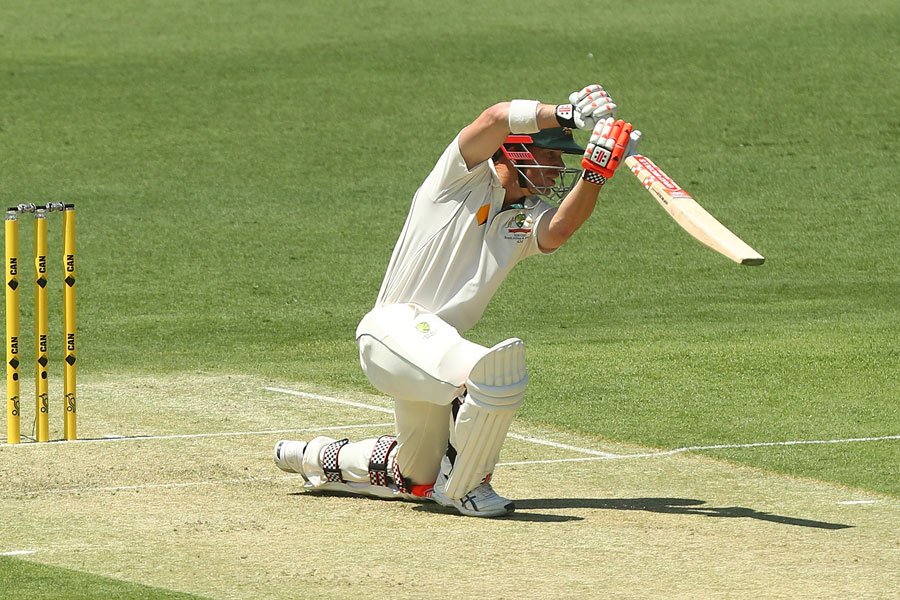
(378,463)
(330,461)
(379,471)
(403,484)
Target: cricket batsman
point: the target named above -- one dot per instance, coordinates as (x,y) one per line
(499,193)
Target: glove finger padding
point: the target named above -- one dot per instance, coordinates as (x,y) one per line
(576,98)
(589,105)
(607,146)
(596,103)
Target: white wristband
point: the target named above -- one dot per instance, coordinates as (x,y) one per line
(523,116)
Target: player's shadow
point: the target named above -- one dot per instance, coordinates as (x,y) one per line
(675,506)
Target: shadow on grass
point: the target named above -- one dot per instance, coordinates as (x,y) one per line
(428,506)
(677,506)
(673,506)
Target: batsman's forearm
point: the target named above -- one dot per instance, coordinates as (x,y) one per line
(481,138)
(571,214)
(547,116)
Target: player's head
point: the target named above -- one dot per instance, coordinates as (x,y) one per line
(537,158)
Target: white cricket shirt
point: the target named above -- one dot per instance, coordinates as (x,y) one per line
(458,244)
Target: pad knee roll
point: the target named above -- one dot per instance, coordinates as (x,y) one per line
(495,390)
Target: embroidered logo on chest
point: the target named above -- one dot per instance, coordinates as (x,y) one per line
(518,227)
(425,329)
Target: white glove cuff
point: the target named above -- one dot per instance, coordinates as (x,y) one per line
(523,116)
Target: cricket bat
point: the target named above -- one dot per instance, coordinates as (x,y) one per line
(689,214)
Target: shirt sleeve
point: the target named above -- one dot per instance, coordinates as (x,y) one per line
(540,211)
(450,175)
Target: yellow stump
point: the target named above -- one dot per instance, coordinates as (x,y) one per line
(41,328)
(12,327)
(70,346)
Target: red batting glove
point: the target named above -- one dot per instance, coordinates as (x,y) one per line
(606,148)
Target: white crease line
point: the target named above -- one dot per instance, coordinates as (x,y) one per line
(858,502)
(181,436)
(147,486)
(716,447)
(594,454)
(534,440)
(329,399)
(766,444)
(597,453)
(516,436)
(17,552)
(551,461)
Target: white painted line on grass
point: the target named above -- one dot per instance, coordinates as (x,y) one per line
(765,444)
(662,453)
(535,440)
(858,502)
(597,453)
(149,486)
(592,454)
(17,552)
(329,399)
(182,436)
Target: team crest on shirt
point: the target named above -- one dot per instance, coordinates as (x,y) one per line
(425,329)
(519,226)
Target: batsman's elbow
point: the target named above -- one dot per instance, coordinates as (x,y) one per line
(553,232)
(555,238)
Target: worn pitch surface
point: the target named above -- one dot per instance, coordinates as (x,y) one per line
(211,515)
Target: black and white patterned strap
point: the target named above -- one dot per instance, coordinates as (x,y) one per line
(403,484)
(330,461)
(378,468)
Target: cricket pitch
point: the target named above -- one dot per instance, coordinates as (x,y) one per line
(173,485)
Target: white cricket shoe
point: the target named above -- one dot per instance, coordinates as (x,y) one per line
(481,501)
(289,456)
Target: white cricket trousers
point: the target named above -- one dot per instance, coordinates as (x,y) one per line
(422,362)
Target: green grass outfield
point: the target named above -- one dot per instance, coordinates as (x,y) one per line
(44,582)
(242,170)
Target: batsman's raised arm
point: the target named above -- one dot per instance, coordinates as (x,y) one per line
(560,223)
(611,141)
(480,139)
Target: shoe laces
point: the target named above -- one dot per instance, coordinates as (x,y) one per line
(486,489)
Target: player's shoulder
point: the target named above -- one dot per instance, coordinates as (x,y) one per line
(453,165)
(451,179)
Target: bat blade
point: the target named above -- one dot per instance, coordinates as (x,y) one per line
(692,217)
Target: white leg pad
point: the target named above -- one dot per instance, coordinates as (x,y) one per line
(354,463)
(495,389)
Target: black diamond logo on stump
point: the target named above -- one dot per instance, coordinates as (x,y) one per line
(70,281)
(41,282)
(13,284)
(70,359)
(14,363)
(42,361)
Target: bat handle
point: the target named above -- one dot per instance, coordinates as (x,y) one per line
(633,140)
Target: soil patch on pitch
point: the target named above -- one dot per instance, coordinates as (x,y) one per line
(188,499)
